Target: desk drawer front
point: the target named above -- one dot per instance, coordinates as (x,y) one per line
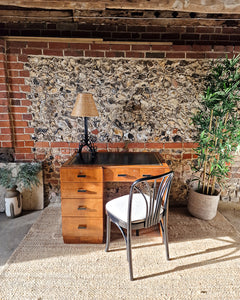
(121,174)
(82,227)
(82,207)
(81,190)
(145,172)
(82,175)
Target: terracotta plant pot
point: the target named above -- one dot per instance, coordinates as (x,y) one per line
(202,206)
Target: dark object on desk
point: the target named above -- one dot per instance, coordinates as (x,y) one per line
(117,158)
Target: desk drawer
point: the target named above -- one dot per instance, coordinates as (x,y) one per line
(82,208)
(81,175)
(119,174)
(85,229)
(150,171)
(81,190)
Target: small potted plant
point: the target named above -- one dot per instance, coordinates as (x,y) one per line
(218,137)
(22,176)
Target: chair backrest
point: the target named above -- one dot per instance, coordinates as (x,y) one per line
(155,191)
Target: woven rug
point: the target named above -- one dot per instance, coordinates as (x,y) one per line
(205,263)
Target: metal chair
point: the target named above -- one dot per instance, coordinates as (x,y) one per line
(145,206)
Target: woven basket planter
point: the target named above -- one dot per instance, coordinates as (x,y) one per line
(202,206)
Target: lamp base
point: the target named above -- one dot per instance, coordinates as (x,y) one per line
(87,141)
(89,145)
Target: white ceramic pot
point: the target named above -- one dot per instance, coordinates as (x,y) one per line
(13,203)
(202,206)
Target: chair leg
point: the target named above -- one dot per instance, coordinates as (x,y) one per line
(129,254)
(108,233)
(165,237)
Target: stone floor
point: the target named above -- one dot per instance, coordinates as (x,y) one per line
(231,211)
(12,231)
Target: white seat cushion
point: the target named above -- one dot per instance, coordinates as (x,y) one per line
(118,207)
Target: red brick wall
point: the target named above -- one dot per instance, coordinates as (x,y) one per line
(227,32)
(14,116)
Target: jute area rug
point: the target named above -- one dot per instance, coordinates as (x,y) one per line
(205,263)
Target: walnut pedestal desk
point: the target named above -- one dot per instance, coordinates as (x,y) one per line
(82,184)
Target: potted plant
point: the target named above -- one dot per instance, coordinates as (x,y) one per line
(22,176)
(218,136)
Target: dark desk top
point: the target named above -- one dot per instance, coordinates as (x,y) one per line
(116,159)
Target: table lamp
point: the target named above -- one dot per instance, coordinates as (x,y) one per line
(85,107)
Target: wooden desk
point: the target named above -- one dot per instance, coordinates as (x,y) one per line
(82,184)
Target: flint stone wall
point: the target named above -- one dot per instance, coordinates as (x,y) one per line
(138,101)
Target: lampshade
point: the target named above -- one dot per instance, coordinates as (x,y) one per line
(84,106)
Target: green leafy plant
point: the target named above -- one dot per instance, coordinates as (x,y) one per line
(218,125)
(23,176)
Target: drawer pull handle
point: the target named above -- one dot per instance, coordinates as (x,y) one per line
(147,175)
(82,226)
(82,208)
(81,176)
(81,191)
(122,175)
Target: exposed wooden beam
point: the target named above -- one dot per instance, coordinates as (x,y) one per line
(16,15)
(116,17)
(206,6)
(49,39)
(76,40)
